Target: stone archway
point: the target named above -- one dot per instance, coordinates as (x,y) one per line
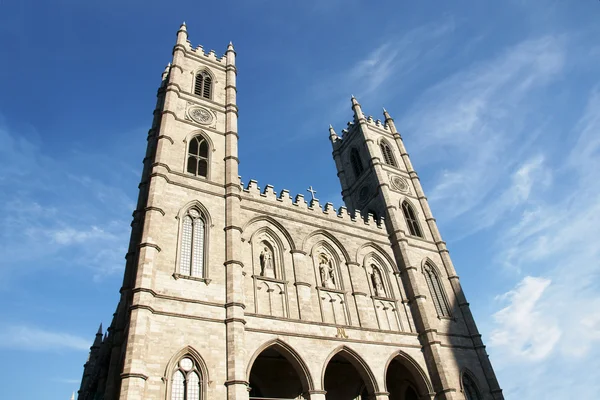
(405,380)
(347,377)
(278,373)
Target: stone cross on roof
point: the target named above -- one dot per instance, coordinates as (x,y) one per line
(312,192)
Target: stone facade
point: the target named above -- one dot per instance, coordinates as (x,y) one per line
(289,298)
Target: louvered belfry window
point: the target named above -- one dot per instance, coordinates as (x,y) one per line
(192,245)
(470,389)
(357,166)
(411,220)
(388,155)
(203,85)
(197,162)
(437,292)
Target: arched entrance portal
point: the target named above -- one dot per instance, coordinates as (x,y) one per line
(277,373)
(404,380)
(346,378)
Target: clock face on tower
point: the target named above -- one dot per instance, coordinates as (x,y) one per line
(200,115)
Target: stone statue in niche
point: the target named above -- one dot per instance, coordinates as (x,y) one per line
(327,273)
(377,282)
(266,263)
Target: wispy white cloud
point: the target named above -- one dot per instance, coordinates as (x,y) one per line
(474,118)
(50,216)
(524,332)
(512,163)
(554,318)
(70,235)
(375,70)
(21,337)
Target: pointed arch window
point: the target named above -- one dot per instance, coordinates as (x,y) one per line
(197,160)
(469,388)
(357,166)
(388,154)
(411,219)
(203,85)
(191,259)
(437,291)
(186,381)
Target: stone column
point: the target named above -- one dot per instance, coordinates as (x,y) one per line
(381,396)
(317,394)
(303,284)
(362,296)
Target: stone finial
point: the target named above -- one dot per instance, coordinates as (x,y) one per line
(230,47)
(165,73)
(358,114)
(386,115)
(333,137)
(389,121)
(98,339)
(73,396)
(182,34)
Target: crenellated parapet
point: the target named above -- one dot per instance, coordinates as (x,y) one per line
(184,44)
(211,54)
(298,203)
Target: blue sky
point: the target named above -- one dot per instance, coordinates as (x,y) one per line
(498,103)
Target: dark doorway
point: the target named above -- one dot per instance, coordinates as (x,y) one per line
(342,380)
(400,382)
(274,377)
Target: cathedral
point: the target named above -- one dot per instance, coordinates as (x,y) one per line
(232,291)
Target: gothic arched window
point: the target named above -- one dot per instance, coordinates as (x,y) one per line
(388,155)
(469,388)
(193,232)
(203,84)
(437,291)
(357,166)
(197,160)
(186,381)
(411,219)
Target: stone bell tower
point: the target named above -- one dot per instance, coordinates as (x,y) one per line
(377,177)
(189,194)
